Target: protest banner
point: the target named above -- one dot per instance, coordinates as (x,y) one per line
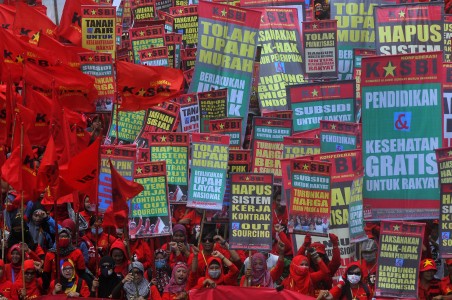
(172,148)
(402,94)
(125,126)
(251,211)
(119,21)
(209,165)
(186,23)
(188,58)
(444,161)
(268,136)
(143,10)
(358,54)
(157,56)
(226,51)
(123,159)
(356,29)
(231,127)
(282,114)
(212,105)
(320,49)
(127,14)
(409,28)
(355,209)
(143,155)
(100,66)
(239,161)
(299,146)
(447,104)
(173,42)
(151,205)
(447,37)
(98,28)
(163,5)
(160,118)
(281,62)
(343,168)
(254,98)
(143,38)
(339,136)
(399,259)
(310,103)
(189,113)
(310,197)
(169,21)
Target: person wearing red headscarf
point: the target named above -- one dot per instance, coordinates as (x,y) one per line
(119,254)
(300,279)
(33,285)
(12,269)
(257,274)
(177,288)
(214,272)
(178,247)
(353,286)
(5,285)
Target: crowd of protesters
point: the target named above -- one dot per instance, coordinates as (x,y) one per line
(45,253)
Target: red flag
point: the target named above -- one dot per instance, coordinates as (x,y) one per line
(82,171)
(70,26)
(23,116)
(31,23)
(48,168)
(142,87)
(74,89)
(42,106)
(19,171)
(122,190)
(7,13)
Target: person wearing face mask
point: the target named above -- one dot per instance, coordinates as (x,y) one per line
(369,250)
(33,250)
(352,286)
(98,237)
(162,272)
(214,274)
(104,285)
(65,251)
(300,279)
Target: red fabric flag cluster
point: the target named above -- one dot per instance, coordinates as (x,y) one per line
(122,190)
(142,87)
(30,23)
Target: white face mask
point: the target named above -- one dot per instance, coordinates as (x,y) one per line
(214,273)
(353,279)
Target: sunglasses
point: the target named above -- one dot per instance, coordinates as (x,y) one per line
(205,240)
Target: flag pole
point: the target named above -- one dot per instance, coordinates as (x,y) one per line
(22,225)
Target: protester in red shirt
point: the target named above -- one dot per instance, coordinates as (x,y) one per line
(33,285)
(192,220)
(12,269)
(70,284)
(119,254)
(140,251)
(177,288)
(446,284)
(214,273)
(429,286)
(5,285)
(178,248)
(353,286)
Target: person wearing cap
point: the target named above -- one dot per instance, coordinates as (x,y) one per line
(351,287)
(106,281)
(136,287)
(33,284)
(429,286)
(369,251)
(5,285)
(70,284)
(65,251)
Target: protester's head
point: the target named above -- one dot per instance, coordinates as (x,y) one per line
(38,213)
(427,269)
(14,254)
(29,270)
(258,263)
(321,250)
(69,224)
(87,204)
(160,259)
(68,269)
(64,238)
(180,273)
(119,233)
(106,265)
(179,233)
(208,242)
(369,250)
(118,252)
(353,273)
(299,267)
(96,225)
(214,268)
(137,270)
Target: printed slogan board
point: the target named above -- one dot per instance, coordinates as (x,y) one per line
(151,205)
(99,28)
(125,126)
(209,165)
(402,94)
(251,211)
(398,259)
